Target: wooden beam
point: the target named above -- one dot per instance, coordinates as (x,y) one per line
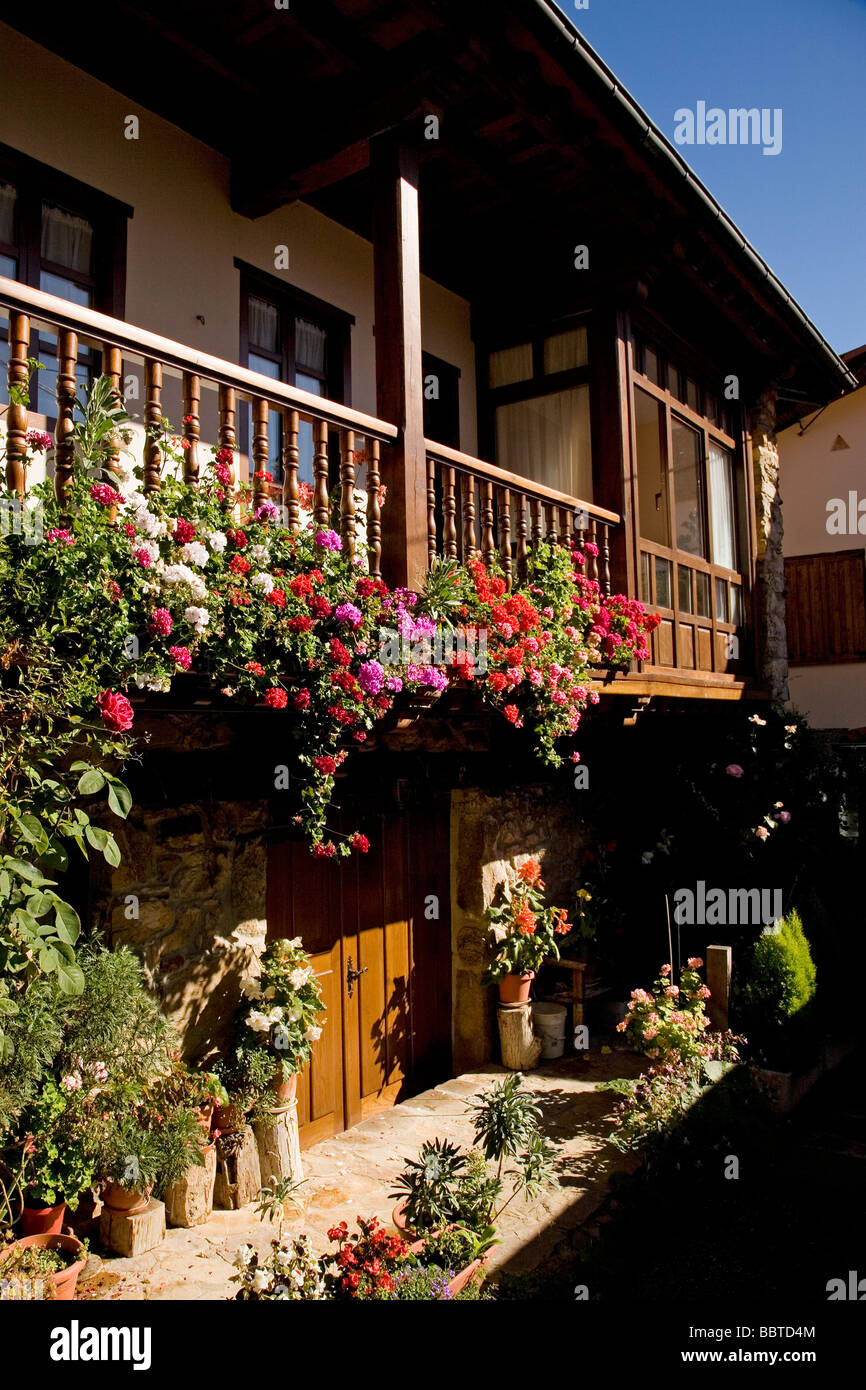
(399,377)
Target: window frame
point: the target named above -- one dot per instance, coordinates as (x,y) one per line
(293,303)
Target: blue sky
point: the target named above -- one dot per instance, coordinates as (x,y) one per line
(804,209)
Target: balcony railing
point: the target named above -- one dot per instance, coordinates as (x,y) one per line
(475,509)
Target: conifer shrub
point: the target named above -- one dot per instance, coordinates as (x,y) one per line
(775,993)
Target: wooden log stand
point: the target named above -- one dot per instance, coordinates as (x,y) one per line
(239,1174)
(278,1144)
(189,1201)
(133,1234)
(521,1049)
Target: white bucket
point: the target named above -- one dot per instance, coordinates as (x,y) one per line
(549,1020)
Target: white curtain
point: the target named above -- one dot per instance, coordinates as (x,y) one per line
(309,345)
(8,196)
(565,351)
(66,239)
(547,440)
(723,509)
(508,365)
(264,324)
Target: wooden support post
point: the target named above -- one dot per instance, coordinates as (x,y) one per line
(719,985)
(399,394)
(239,1174)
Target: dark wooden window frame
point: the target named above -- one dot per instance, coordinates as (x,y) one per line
(296,303)
(446,371)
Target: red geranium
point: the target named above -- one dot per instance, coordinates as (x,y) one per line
(276,698)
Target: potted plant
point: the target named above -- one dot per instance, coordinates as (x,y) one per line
(34,1262)
(246,1077)
(523,933)
(56,1167)
(282,1011)
(142,1151)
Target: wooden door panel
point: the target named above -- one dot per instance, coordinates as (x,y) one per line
(397,961)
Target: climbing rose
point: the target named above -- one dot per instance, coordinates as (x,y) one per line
(161,622)
(116,711)
(276,698)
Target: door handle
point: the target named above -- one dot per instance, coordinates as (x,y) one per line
(352,974)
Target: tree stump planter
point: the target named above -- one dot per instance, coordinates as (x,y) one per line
(239,1173)
(521,1049)
(133,1233)
(278,1144)
(189,1201)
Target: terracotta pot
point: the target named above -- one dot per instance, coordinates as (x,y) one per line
(205,1116)
(43,1221)
(459,1282)
(129,1200)
(284,1091)
(228,1118)
(399,1221)
(514,989)
(64,1281)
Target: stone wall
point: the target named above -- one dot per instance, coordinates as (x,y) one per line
(770,580)
(490,837)
(189,897)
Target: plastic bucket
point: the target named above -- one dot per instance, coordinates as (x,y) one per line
(549,1020)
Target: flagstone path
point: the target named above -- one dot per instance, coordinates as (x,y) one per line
(352,1174)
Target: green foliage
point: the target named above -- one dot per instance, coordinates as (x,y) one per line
(505,1119)
(58,1164)
(117,1023)
(284,1007)
(30,1024)
(523,932)
(430,1185)
(773,994)
(429,1283)
(140,1149)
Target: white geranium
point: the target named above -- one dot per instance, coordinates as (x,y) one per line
(243,1257)
(275,1015)
(182,574)
(295,1014)
(263,581)
(261,1280)
(197,618)
(144,520)
(217,540)
(194,553)
(132,498)
(150,548)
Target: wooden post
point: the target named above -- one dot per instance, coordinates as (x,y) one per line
(16,422)
(719,985)
(64,445)
(399,392)
(191,427)
(189,1201)
(133,1235)
(291,454)
(374,510)
(239,1174)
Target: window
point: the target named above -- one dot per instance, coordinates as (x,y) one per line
(292,337)
(441,401)
(538,391)
(67,239)
(826,607)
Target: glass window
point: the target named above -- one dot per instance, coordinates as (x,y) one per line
(672,379)
(510,365)
(721,601)
(704,588)
(651,364)
(684,588)
(264,326)
(565,351)
(723,507)
(310,341)
(693,396)
(66,239)
(688,491)
(8,267)
(664,585)
(8,200)
(651,469)
(547,439)
(736,605)
(646,592)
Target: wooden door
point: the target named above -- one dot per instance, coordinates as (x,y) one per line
(381,946)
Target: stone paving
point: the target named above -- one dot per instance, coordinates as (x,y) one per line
(352,1174)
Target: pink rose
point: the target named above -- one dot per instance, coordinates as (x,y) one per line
(116,711)
(734,770)
(762,832)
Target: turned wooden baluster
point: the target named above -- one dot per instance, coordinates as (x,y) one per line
(374,509)
(550,518)
(16,416)
(113,369)
(522,548)
(592,567)
(152,424)
(64,447)
(320,473)
(605,559)
(260,452)
(488,535)
(449,513)
(347,492)
(431,512)
(505,533)
(563,517)
(469,547)
(228,407)
(537,533)
(191,427)
(291,455)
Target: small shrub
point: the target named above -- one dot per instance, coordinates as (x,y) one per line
(773,997)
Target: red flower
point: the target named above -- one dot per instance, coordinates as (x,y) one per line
(161,622)
(498,681)
(116,711)
(339,652)
(238,565)
(276,598)
(184,531)
(300,623)
(360,842)
(113,590)
(301,585)
(302,699)
(511,713)
(530,872)
(255,668)
(324,849)
(129,529)
(276,698)
(319,606)
(325,764)
(181,657)
(237,537)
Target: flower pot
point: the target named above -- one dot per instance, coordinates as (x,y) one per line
(459,1282)
(64,1281)
(514,989)
(229,1118)
(284,1090)
(205,1117)
(129,1200)
(400,1222)
(43,1221)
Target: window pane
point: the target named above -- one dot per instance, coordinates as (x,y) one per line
(66,239)
(688,499)
(264,324)
(309,383)
(646,592)
(651,470)
(651,365)
(723,507)
(264,365)
(705,608)
(672,379)
(721,601)
(684,576)
(509,365)
(4,363)
(547,439)
(693,396)
(664,571)
(736,605)
(8,198)
(564,351)
(310,341)
(65,289)
(8,267)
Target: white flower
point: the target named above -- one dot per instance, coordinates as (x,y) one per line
(145,682)
(298,1276)
(194,553)
(263,581)
(132,498)
(151,548)
(182,574)
(197,617)
(259,1022)
(259,552)
(244,1256)
(217,541)
(299,977)
(275,1015)
(312,1034)
(261,1280)
(295,942)
(295,1013)
(251,989)
(145,521)
(647,857)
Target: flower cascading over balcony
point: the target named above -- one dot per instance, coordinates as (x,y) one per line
(130,590)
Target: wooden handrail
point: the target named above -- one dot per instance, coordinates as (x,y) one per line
(140,342)
(466,463)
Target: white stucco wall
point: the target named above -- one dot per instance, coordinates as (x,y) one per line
(184,236)
(812,474)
